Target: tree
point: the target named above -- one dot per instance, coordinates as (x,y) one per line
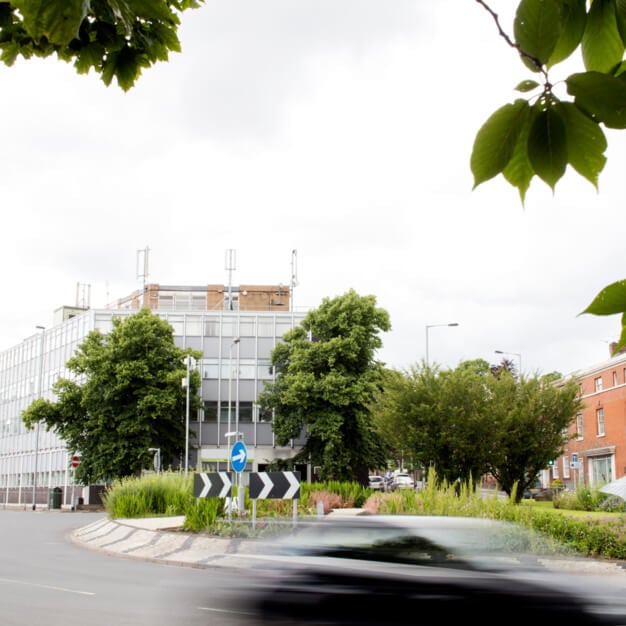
(440,417)
(326,377)
(529,418)
(125,398)
(468,422)
(116,38)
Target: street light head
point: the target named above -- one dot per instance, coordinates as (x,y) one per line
(236,340)
(453,324)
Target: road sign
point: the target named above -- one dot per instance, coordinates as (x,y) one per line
(215,485)
(75,461)
(285,485)
(574,457)
(238,456)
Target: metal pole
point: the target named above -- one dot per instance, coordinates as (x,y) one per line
(187,360)
(230,386)
(428,326)
(39,391)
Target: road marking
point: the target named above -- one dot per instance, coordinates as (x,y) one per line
(14,581)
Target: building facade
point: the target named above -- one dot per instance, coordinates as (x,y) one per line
(235,329)
(596,450)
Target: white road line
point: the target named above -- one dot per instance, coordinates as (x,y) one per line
(14,581)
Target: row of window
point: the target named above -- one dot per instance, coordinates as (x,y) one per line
(598,384)
(600,431)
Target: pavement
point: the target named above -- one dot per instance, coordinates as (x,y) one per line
(161,539)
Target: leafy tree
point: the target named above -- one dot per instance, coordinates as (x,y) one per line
(467,422)
(326,377)
(529,427)
(542,135)
(125,397)
(440,416)
(116,38)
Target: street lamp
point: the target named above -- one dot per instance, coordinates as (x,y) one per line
(234,342)
(187,361)
(428,327)
(39,391)
(517,354)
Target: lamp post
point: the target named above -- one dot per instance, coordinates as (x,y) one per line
(234,342)
(187,361)
(517,354)
(428,327)
(39,391)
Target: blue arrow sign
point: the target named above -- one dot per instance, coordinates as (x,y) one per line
(238,456)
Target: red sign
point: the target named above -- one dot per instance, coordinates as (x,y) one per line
(75,461)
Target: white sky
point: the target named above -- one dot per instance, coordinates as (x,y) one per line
(339,128)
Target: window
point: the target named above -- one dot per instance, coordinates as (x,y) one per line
(600,418)
(565,466)
(614,379)
(210,411)
(211,328)
(579,426)
(598,383)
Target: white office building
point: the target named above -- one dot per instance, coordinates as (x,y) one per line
(235,329)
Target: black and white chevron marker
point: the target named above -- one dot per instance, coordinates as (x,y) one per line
(285,485)
(216,485)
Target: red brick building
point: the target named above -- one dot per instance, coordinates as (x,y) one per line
(596,454)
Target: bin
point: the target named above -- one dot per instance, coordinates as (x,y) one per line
(54,498)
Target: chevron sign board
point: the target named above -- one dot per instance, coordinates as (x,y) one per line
(285,485)
(215,485)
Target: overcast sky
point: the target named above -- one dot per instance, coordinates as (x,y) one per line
(338,128)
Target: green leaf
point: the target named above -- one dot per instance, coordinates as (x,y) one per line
(527,85)
(622,339)
(573,20)
(56,20)
(547,146)
(602,45)
(519,171)
(496,139)
(610,300)
(537,28)
(601,96)
(586,142)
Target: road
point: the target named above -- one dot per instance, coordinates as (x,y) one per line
(47,579)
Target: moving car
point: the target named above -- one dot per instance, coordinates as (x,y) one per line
(373,570)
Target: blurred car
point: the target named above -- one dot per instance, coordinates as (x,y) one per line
(402,481)
(423,570)
(376,482)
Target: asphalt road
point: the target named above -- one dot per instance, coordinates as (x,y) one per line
(45,578)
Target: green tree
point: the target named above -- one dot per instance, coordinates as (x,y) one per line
(326,377)
(440,417)
(529,427)
(542,134)
(467,422)
(125,397)
(115,38)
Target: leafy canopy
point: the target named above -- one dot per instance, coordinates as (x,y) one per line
(125,398)
(326,377)
(115,38)
(542,135)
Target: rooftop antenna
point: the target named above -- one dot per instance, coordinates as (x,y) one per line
(142,271)
(230,264)
(83,295)
(294,280)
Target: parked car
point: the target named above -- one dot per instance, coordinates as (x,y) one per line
(380,570)
(402,481)
(376,482)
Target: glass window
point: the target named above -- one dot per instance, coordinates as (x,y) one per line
(600,418)
(210,369)
(598,383)
(210,411)
(565,466)
(247,327)
(245,412)
(266,328)
(247,369)
(579,426)
(193,327)
(211,328)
